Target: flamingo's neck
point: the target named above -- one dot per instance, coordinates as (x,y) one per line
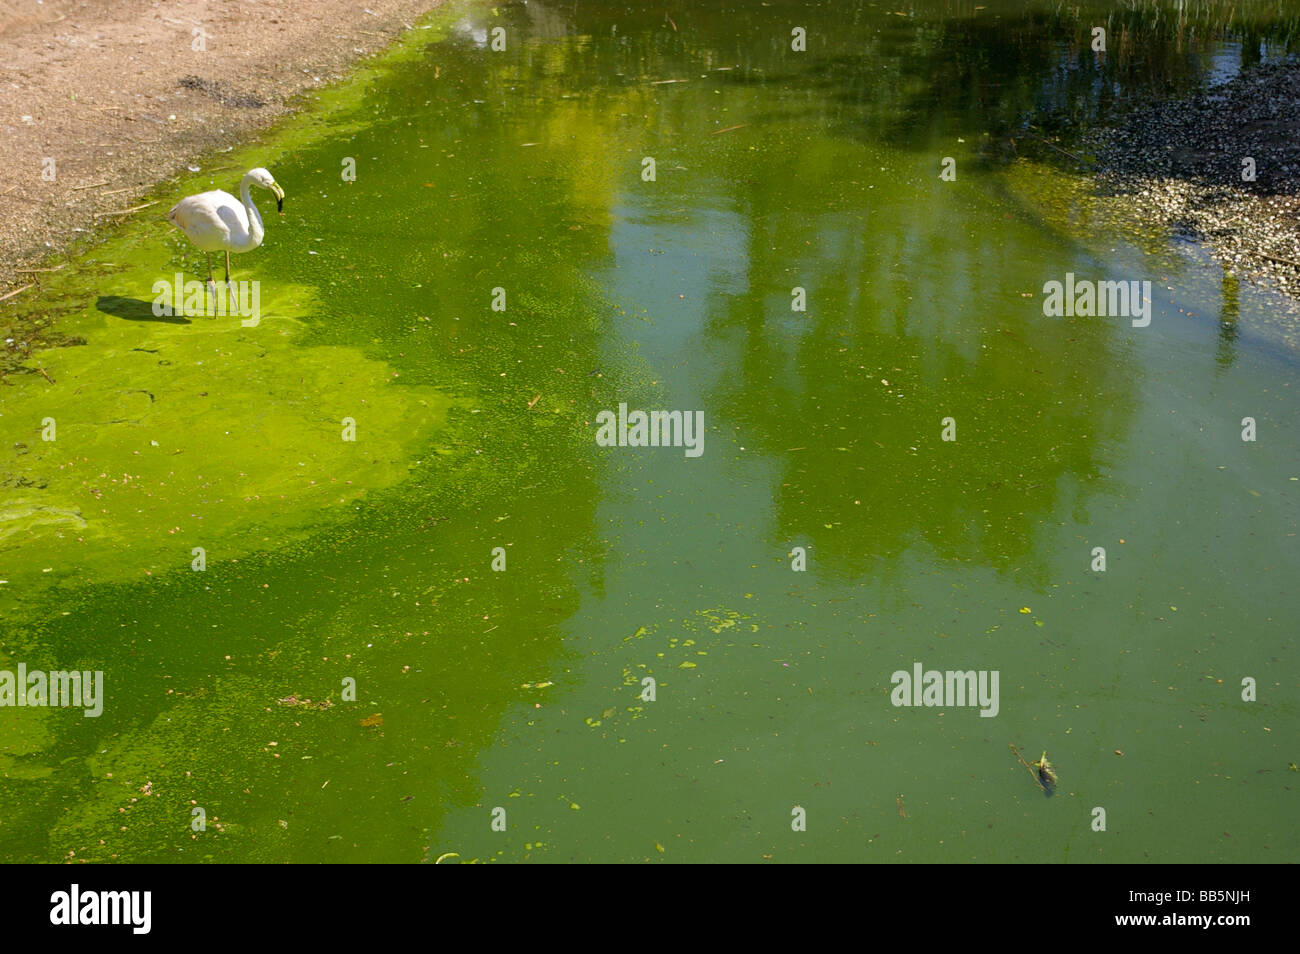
(255,229)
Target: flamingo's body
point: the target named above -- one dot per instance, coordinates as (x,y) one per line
(218,222)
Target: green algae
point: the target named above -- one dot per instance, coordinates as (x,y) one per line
(25,733)
(216,435)
(170,436)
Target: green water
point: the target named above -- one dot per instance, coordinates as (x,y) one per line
(372,560)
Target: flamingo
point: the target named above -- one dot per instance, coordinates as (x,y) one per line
(216,222)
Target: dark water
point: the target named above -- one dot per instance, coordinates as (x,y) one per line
(523,689)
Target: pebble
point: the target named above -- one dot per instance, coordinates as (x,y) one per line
(1181,162)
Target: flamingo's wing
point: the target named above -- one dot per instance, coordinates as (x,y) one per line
(210,219)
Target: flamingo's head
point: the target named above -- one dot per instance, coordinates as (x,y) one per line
(267,181)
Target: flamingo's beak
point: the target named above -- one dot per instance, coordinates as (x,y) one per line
(279,196)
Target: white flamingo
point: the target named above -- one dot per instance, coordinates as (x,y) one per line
(216,222)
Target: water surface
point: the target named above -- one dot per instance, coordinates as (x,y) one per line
(372,560)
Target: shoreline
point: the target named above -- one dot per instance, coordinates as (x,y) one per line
(1182,166)
(82,155)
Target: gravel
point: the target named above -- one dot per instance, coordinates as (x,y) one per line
(1181,163)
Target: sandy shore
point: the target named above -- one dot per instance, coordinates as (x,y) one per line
(116,94)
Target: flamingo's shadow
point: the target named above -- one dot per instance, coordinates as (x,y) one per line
(133,309)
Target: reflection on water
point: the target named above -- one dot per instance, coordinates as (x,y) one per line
(525,688)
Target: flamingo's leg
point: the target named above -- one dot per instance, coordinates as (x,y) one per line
(228,267)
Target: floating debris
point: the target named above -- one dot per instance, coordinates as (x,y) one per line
(1043,771)
(1046,774)
(305,703)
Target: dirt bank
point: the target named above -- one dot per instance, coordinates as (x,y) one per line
(118,96)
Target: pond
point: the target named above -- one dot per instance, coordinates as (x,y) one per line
(364,586)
